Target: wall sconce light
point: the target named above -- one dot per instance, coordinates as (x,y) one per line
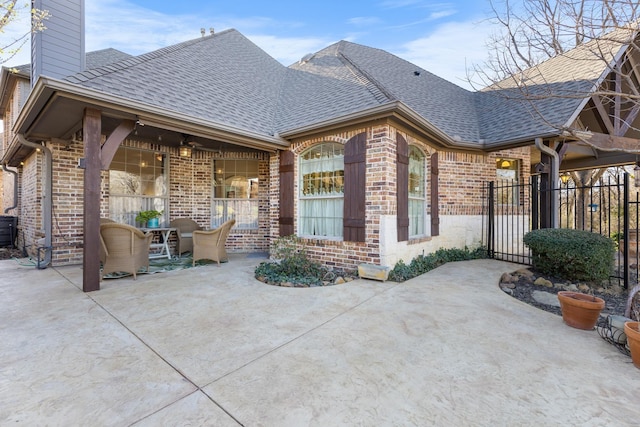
(593,207)
(185,151)
(565,177)
(636,175)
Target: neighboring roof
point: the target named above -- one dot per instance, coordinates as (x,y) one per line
(94,59)
(100,58)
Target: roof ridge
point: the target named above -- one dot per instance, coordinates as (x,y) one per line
(380,93)
(137,60)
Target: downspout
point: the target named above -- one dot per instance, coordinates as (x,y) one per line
(15,187)
(47,210)
(554,176)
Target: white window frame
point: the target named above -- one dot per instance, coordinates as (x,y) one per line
(321,187)
(417,223)
(124,207)
(224,203)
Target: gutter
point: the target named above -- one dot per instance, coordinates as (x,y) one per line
(47,209)
(554,175)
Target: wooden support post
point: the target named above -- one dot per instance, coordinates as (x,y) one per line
(91,128)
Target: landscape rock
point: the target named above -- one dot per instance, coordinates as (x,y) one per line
(546,298)
(541,281)
(524,272)
(583,287)
(508,278)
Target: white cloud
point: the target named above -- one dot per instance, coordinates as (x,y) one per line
(364,20)
(288,50)
(449,50)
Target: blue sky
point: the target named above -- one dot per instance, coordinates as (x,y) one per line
(444,37)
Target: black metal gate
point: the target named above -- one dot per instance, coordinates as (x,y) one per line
(608,207)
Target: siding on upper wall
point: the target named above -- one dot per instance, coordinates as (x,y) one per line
(59,50)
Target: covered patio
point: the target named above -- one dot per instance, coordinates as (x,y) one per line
(213,346)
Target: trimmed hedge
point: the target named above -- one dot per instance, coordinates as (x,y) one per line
(424,263)
(575,255)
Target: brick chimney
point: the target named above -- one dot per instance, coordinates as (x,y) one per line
(58,51)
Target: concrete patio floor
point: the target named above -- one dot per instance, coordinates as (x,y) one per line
(212,346)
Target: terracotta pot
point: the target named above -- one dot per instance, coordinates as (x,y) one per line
(633,341)
(579,310)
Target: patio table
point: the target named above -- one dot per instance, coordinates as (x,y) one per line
(163,244)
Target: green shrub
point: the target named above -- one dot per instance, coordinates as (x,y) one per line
(423,263)
(293,266)
(575,255)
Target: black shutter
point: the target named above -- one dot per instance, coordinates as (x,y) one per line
(355,152)
(285,219)
(435,215)
(402,171)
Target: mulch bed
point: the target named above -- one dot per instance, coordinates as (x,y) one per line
(520,284)
(9,253)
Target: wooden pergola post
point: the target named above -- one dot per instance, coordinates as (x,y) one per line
(91,129)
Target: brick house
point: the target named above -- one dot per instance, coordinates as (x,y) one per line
(364,156)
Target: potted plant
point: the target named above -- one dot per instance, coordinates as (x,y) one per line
(632,331)
(149,218)
(580,310)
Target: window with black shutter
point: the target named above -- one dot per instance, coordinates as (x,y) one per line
(285,219)
(355,188)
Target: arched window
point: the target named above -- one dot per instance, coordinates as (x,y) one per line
(321,191)
(417,205)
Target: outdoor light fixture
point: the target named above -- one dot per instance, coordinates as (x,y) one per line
(505,164)
(565,177)
(185,151)
(593,207)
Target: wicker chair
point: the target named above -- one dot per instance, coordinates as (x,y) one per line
(226,228)
(185,226)
(210,244)
(125,248)
(103,256)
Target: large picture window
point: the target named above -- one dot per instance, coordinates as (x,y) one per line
(235,193)
(322,191)
(137,182)
(416,192)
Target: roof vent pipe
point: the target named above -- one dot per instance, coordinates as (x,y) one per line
(211,30)
(554,176)
(47,204)
(202,31)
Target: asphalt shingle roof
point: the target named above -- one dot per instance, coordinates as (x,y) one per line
(547,95)
(225,78)
(222,78)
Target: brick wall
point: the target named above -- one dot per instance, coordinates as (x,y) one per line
(460,193)
(190,194)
